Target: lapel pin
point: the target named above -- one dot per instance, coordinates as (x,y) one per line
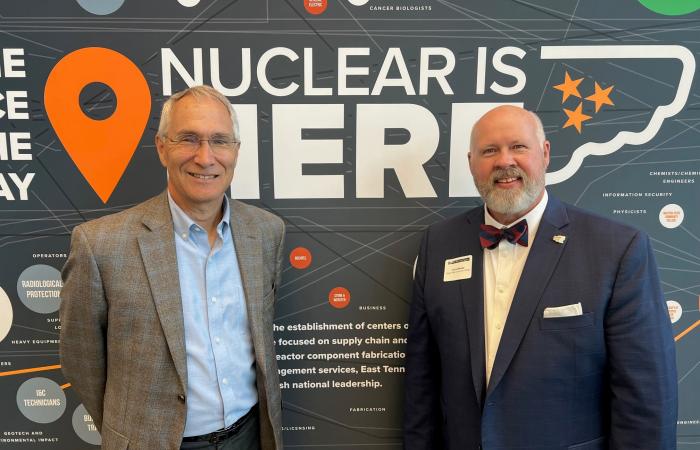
(559,239)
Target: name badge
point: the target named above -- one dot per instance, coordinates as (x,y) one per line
(458,268)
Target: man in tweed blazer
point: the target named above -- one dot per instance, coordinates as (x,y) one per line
(169,346)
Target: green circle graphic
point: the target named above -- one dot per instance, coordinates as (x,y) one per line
(672,7)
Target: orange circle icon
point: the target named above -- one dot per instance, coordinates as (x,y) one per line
(339,297)
(101,149)
(315,6)
(300,258)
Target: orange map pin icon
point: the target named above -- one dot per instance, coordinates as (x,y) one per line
(101,149)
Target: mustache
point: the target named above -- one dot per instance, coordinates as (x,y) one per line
(509,172)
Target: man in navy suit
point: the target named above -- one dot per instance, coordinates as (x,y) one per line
(534,324)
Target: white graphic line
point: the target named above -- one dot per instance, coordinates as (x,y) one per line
(678,52)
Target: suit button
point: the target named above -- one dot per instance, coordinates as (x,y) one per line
(181,398)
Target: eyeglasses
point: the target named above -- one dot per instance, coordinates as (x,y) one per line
(192,142)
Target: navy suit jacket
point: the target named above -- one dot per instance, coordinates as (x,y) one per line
(602,380)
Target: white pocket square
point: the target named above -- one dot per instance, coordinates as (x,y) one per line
(563,311)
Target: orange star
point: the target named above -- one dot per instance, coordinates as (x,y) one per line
(601,97)
(569,87)
(576,117)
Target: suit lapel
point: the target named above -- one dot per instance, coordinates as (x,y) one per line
(472,291)
(157,245)
(248,244)
(540,264)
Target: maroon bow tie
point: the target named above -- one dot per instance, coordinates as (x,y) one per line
(491,236)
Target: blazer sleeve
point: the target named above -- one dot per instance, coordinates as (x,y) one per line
(280,257)
(422,420)
(83,315)
(641,355)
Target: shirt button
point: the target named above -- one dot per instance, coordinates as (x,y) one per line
(217,340)
(184,235)
(498,326)
(225,381)
(213,299)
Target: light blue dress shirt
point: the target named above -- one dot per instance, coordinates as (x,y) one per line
(220,360)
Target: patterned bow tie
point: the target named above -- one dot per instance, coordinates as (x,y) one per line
(491,236)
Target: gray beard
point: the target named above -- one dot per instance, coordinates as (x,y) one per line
(511,201)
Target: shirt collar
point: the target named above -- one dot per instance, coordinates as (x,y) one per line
(533,217)
(183,224)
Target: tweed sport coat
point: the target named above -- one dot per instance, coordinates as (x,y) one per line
(122,330)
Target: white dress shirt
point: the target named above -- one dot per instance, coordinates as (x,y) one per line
(503,266)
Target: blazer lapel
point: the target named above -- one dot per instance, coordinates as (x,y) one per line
(248,244)
(472,291)
(157,245)
(540,264)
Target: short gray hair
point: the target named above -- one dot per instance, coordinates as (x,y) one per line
(201,91)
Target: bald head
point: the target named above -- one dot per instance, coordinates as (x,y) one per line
(508,157)
(508,113)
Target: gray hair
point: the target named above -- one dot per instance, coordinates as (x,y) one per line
(201,91)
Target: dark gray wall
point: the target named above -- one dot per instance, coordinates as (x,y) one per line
(366,245)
